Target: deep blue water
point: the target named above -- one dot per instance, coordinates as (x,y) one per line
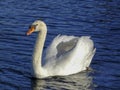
(99,19)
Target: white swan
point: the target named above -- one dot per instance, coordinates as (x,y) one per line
(66,55)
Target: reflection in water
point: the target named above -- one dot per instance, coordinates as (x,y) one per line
(78,81)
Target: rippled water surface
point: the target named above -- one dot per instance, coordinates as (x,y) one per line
(97,18)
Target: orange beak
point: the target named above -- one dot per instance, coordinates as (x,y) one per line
(31,30)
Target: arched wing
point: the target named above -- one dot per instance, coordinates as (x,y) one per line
(66,51)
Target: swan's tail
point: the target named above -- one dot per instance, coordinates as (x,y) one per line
(89,58)
(91,53)
(87,51)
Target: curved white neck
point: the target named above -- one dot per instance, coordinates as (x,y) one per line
(38,49)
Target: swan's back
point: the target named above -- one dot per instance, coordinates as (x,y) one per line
(69,54)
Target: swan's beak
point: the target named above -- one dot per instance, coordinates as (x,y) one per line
(31,30)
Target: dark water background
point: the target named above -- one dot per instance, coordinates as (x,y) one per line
(97,18)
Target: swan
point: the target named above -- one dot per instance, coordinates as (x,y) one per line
(66,55)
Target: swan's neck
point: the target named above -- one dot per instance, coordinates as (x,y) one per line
(37,55)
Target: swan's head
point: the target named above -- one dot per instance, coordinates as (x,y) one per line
(37,25)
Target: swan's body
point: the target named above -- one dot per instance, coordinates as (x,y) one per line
(66,55)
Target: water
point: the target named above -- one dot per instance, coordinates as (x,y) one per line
(97,18)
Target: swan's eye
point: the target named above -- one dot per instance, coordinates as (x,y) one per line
(35,26)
